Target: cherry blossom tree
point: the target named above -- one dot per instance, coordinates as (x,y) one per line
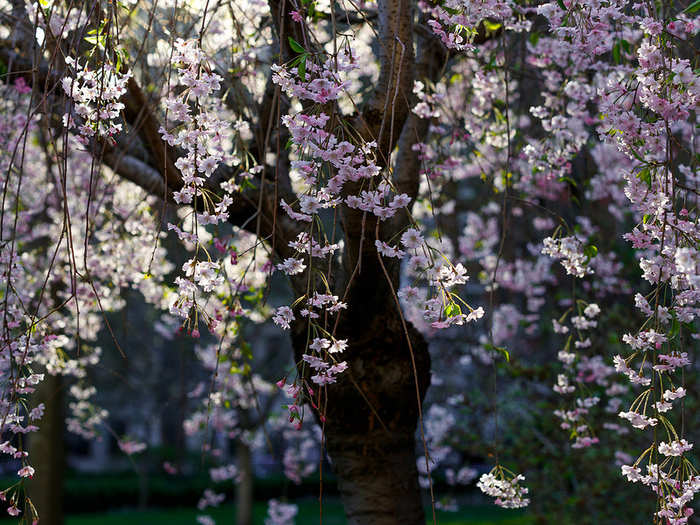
(409,170)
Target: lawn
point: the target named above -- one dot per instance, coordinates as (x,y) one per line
(308,515)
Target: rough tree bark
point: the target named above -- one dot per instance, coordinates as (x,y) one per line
(371,415)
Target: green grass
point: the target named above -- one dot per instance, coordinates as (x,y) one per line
(308,515)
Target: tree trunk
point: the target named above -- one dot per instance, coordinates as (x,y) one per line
(47,453)
(377,478)
(372,412)
(244,486)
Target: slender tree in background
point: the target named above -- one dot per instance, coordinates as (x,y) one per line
(47,448)
(375,155)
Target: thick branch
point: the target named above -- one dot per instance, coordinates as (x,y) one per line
(430,65)
(382,119)
(257,210)
(139,114)
(136,171)
(385,112)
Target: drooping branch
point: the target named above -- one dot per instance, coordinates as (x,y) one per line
(286,27)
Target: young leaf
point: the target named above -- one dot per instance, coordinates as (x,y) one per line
(492,27)
(590,251)
(617,57)
(296,46)
(301,69)
(693,8)
(452,310)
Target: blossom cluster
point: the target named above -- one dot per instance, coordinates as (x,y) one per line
(615,85)
(570,251)
(95,94)
(279,513)
(200,133)
(580,372)
(456,21)
(505,487)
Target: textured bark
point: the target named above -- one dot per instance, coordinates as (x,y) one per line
(47,452)
(386,109)
(378,479)
(372,413)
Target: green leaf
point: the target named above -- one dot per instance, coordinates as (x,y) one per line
(504,352)
(301,69)
(499,116)
(636,154)
(590,251)
(617,57)
(492,27)
(452,310)
(569,180)
(500,349)
(296,46)
(561,4)
(645,176)
(693,8)
(675,329)
(247,351)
